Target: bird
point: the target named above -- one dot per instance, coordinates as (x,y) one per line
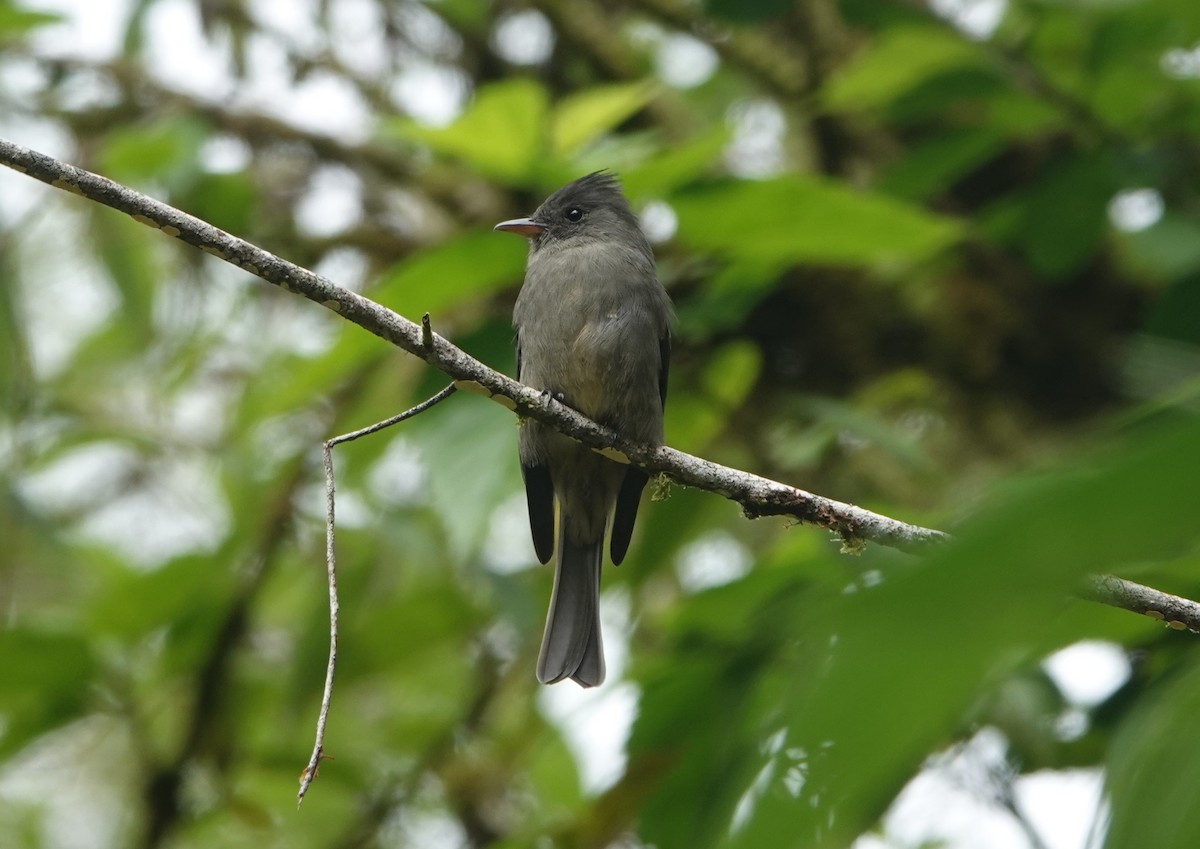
(592,329)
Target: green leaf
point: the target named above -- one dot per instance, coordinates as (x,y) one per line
(132,262)
(804,219)
(1153,770)
(680,164)
(1065,216)
(899,61)
(1022,115)
(166,152)
(16,21)
(835,417)
(554,772)
(932,167)
(228,201)
(1169,249)
(44,682)
(582,117)
(692,421)
(716,673)
(14,351)
(463,269)
(184,595)
(731,372)
(502,134)
(903,661)
(1174,316)
(728,296)
(471,449)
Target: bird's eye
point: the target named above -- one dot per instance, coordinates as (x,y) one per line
(574,214)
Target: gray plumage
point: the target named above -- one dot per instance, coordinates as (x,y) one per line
(593,329)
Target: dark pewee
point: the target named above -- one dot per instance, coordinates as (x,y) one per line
(593,329)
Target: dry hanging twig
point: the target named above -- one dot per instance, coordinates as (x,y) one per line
(318,753)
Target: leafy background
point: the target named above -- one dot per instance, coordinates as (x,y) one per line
(942,260)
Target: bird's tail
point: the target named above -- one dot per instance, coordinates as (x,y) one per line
(571,646)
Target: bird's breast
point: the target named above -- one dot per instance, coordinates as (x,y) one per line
(590,332)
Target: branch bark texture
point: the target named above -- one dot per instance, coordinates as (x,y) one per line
(1176,612)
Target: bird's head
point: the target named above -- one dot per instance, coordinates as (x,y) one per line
(591,207)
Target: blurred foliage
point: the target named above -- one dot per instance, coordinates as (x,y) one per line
(946,267)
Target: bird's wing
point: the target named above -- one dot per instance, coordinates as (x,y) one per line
(630,494)
(539,494)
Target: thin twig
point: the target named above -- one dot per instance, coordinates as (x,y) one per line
(449,390)
(318,752)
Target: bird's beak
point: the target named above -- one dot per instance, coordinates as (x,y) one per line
(526,227)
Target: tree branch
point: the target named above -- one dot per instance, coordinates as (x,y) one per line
(318,752)
(758,496)
(1173,611)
